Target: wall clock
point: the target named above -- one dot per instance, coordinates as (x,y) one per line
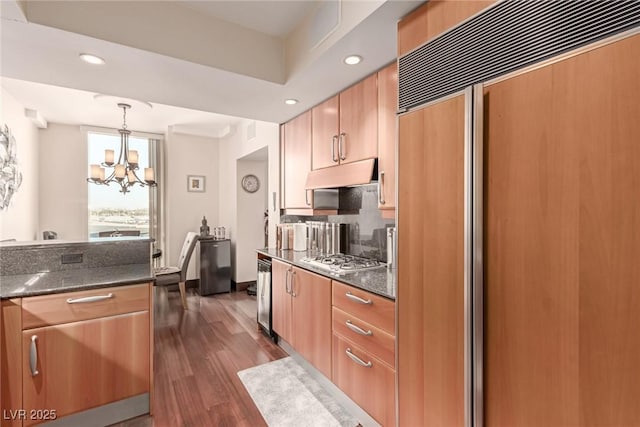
(250,183)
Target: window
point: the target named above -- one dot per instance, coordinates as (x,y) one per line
(112,212)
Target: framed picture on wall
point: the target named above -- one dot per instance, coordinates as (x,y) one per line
(195,183)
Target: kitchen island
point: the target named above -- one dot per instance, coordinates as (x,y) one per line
(77,331)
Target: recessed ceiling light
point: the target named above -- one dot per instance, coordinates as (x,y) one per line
(352,59)
(291,101)
(91,59)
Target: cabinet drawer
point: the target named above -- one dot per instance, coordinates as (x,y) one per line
(374,340)
(55,309)
(372,386)
(373,309)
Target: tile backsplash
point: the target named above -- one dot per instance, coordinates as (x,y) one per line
(358,207)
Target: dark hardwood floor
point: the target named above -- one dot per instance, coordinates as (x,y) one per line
(197,356)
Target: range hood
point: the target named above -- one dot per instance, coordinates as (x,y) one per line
(356,173)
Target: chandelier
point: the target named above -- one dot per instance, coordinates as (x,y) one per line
(124,170)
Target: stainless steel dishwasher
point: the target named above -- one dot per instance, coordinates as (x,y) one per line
(264,296)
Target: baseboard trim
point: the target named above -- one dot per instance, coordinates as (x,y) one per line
(242,286)
(105,415)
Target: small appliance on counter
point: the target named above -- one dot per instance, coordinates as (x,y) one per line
(328,237)
(299,237)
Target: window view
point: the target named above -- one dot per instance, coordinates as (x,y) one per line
(110,211)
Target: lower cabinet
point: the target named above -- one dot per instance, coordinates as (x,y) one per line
(301,310)
(364,350)
(86,364)
(69,352)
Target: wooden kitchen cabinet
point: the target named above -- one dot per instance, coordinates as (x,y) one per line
(434,18)
(345,127)
(562,242)
(363,327)
(431,304)
(387,137)
(296,146)
(90,348)
(82,365)
(301,313)
(281,299)
(311,314)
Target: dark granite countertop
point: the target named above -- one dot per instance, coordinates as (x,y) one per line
(24,285)
(380,281)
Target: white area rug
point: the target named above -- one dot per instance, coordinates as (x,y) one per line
(287,395)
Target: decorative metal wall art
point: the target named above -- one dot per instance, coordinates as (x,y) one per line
(10,175)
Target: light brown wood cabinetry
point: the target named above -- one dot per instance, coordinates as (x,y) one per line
(371,386)
(296,146)
(281,299)
(364,350)
(11,350)
(345,127)
(301,311)
(311,318)
(434,18)
(90,348)
(326,129)
(82,365)
(387,136)
(430,299)
(562,242)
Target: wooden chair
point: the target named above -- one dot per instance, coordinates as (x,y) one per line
(166,276)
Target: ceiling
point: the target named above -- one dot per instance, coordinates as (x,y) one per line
(201,64)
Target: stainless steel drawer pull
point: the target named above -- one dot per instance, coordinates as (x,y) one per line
(94,298)
(293,276)
(33,356)
(334,140)
(341,146)
(381,199)
(357,299)
(358,360)
(358,329)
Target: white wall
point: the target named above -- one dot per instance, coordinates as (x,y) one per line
(188,155)
(63,181)
(232,148)
(20,219)
(250,219)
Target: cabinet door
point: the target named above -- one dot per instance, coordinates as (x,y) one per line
(359,121)
(86,364)
(312,318)
(324,136)
(281,300)
(387,135)
(297,162)
(562,242)
(431,265)
(434,18)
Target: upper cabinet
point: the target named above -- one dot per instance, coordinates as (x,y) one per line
(296,149)
(345,127)
(434,18)
(387,135)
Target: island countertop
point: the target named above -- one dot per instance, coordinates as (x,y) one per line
(41,283)
(380,281)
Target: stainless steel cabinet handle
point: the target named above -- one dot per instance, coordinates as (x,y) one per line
(286,282)
(358,329)
(334,140)
(33,356)
(306,197)
(357,359)
(358,299)
(293,292)
(89,299)
(381,199)
(341,146)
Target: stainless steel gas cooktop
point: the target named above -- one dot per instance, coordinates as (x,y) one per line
(341,264)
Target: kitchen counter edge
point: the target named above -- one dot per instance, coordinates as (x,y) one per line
(380,281)
(44,283)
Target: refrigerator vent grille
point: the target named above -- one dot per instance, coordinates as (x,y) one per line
(508,36)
